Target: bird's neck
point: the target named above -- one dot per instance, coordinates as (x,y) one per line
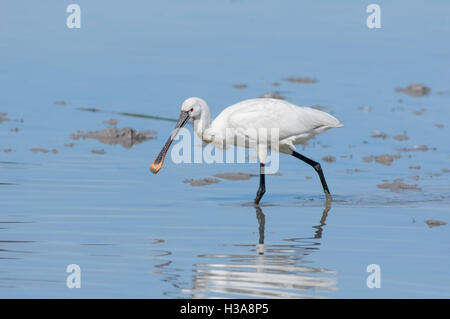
(202,123)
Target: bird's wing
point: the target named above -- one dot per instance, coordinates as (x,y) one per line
(291,120)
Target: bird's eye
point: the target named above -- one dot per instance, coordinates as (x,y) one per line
(192,109)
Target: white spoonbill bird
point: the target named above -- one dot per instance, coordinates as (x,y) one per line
(296,125)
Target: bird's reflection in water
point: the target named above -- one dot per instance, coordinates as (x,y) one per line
(266,270)
(164,267)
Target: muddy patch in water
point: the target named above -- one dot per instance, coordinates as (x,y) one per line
(329,159)
(417,148)
(435,223)
(127,137)
(415,90)
(201,182)
(98,151)
(400,137)
(398,185)
(43,150)
(4,118)
(235,176)
(385,159)
(300,79)
(378,134)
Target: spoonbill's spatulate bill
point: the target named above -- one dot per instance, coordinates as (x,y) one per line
(296,125)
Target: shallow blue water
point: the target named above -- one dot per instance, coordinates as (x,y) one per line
(135,234)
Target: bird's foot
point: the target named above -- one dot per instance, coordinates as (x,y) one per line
(328,197)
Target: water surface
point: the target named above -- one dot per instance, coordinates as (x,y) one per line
(135,234)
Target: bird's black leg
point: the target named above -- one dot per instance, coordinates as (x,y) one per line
(262,184)
(318,169)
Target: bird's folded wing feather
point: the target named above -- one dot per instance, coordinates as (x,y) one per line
(291,120)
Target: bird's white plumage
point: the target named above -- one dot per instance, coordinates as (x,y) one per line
(296,124)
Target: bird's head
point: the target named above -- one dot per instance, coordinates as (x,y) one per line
(191,108)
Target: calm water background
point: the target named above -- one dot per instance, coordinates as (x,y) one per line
(135,234)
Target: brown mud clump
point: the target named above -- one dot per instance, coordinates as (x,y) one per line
(378,134)
(298,79)
(329,159)
(385,159)
(43,150)
(397,185)
(240,86)
(418,148)
(415,90)
(4,118)
(201,182)
(127,137)
(235,176)
(99,152)
(400,137)
(435,223)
